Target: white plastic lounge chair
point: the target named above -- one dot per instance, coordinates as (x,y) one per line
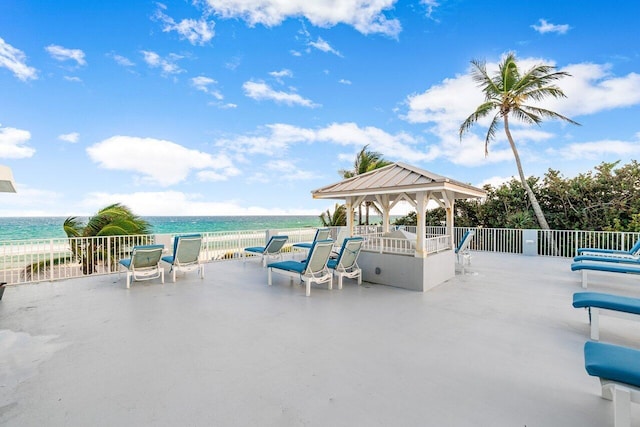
(605,267)
(463,256)
(186,255)
(346,264)
(144,263)
(633,252)
(619,371)
(321,234)
(272,249)
(607,305)
(313,270)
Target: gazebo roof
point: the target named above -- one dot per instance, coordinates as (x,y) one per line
(397,179)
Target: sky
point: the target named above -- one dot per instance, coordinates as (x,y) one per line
(243,107)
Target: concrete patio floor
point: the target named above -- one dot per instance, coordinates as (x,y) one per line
(498,346)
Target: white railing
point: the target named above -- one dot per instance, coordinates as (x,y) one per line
(24,261)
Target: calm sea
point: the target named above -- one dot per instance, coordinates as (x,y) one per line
(51,227)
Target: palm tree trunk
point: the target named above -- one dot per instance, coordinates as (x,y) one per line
(542,221)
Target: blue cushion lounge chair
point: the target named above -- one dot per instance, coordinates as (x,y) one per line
(462,250)
(186,255)
(606,304)
(634,251)
(272,249)
(321,234)
(144,263)
(608,258)
(345,265)
(619,371)
(608,267)
(314,269)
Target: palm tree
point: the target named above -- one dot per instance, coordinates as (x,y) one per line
(113,220)
(338,218)
(507,93)
(366,161)
(84,240)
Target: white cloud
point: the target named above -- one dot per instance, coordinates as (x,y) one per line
(281,73)
(324,46)
(72,137)
(60,53)
(179,204)
(13,143)
(157,161)
(287,170)
(295,53)
(197,32)
(262,91)
(204,84)
(597,150)
(445,105)
(344,81)
(495,181)
(366,16)
(73,79)
(167,65)
(122,60)
(431,5)
(547,27)
(275,140)
(15,61)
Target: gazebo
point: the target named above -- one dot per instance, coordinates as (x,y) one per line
(385,259)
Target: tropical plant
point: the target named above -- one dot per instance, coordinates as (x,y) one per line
(113,220)
(335,219)
(507,94)
(366,161)
(88,242)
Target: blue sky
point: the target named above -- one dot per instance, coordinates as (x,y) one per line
(243,107)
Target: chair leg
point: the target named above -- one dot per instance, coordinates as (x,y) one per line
(201,268)
(129,276)
(162,275)
(269,276)
(621,408)
(595,323)
(308,282)
(173,274)
(584,279)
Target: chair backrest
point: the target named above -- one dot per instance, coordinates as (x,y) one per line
(343,233)
(635,249)
(146,256)
(186,249)
(322,234)
(349,252)
(466,240)
(275,244)
(318,256)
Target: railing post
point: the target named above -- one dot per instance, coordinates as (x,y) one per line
(109,246)
(51,258)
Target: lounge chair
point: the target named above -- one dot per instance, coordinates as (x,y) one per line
(608,258)
(272,249)
(633,252)
(321,234)
(186,255)
(605,267)
(345,265)
(463,255)
(619,371)
(606,304)
(144,263)
(313,270)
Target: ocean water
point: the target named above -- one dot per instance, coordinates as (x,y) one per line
(22,228)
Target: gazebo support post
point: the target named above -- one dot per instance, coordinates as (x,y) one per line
(449,204)
(421,208)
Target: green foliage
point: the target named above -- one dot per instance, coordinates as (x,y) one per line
(366,161)
(606,198)
(335,219)
(113,220)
